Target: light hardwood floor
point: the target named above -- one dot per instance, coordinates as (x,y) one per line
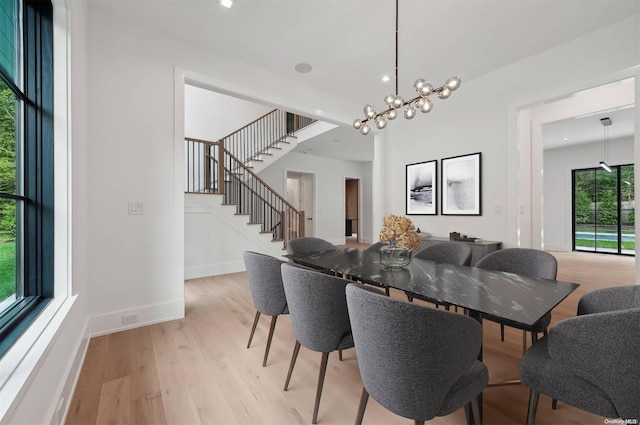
(198,370)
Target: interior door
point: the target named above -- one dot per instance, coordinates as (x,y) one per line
(306,202)
(351,203)
(300,193)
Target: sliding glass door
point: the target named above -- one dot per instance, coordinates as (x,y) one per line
(603,210)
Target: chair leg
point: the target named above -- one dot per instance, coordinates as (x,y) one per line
(269,338)
(468,414)
(524,342)
(472,412)
(363,405)
(447,307)
(417,422)
(340,354)
(502,332)
(534,337)
(409,297)
(253,329)
(533,406)
(554,404)
(475,410)
(323,371)
(386,291)
(294,356)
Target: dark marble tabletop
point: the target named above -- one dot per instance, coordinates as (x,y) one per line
(508,296)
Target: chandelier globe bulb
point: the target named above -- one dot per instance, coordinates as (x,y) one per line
(410,112)
(427,106)
(444,93)
(452,83)
(380,122)
(388,99)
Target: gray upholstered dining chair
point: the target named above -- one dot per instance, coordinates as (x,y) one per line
(526,262)
(416,361)
(308,244)
(265,283)
(609,299)
(318,309)
(590,362)
(444,252)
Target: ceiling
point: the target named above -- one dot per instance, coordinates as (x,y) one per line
(350,44)
(589,129)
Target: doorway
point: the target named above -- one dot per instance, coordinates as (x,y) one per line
(544,204)
(352,208)
(300,194)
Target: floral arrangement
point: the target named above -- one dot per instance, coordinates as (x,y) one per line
(401,230)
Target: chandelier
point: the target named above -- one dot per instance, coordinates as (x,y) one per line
(394,102)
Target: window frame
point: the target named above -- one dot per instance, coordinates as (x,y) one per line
(37,165)
(617,169)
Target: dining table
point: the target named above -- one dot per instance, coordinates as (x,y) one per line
(510,297)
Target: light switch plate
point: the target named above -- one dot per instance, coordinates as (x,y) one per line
(136,208)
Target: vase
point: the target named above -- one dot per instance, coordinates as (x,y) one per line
(392,255)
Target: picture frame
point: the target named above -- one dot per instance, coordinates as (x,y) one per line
(462,185)
(422,188)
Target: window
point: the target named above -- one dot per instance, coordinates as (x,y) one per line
(26,164)
(603,210)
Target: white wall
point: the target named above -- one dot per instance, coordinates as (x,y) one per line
(215,237)
(329,191)
(476,119)
(558,164)
(136,262)
(211,116)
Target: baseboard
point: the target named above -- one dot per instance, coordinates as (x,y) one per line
(213,270)
(146,315)
(62,409)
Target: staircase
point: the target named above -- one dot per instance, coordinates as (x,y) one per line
(228,168)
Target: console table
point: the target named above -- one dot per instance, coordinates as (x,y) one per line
(478,249)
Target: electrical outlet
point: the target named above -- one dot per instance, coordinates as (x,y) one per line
(129,318)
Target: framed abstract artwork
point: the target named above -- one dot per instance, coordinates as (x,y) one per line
(422,188)
(462,185)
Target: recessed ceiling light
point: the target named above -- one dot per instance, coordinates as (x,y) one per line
(385,78)
(565,138)
(226,3)
(303,68)
(319,111)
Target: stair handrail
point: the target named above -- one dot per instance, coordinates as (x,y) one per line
(264,133)
(243,127)
(255,176)
(213,169)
